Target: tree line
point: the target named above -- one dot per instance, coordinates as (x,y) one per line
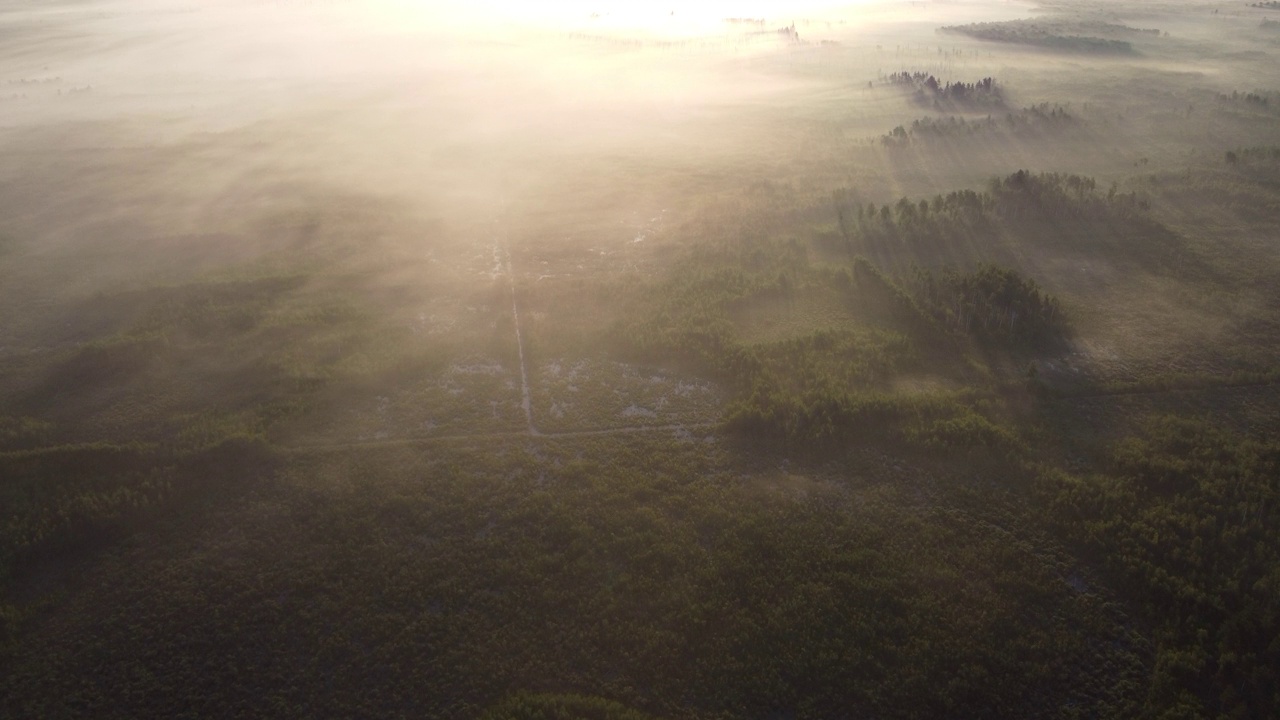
(1036,118)
(1030,33)
(930,89)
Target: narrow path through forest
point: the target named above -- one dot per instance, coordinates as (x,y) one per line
(502,250)
(526,401)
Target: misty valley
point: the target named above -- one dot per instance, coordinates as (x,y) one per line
(595,360)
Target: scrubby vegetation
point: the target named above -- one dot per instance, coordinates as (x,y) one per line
(64,500)
(561,707)
(1180,517)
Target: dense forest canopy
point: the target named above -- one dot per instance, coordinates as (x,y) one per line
(400,360)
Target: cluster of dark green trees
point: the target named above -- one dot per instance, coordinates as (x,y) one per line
(992,301)
(1048,37)
(1034,119)
(930,89)
(1027,206)
(1061,196)
(1261,155)
(825,387)
(828,389)
(966,205)
(1257,98)
(828,386)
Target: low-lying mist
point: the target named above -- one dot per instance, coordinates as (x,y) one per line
(166,107)
(711,359)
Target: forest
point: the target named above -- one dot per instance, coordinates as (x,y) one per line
(376,360)
(930,90)
(1061,37)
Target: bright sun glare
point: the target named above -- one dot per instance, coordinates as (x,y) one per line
(676,17)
